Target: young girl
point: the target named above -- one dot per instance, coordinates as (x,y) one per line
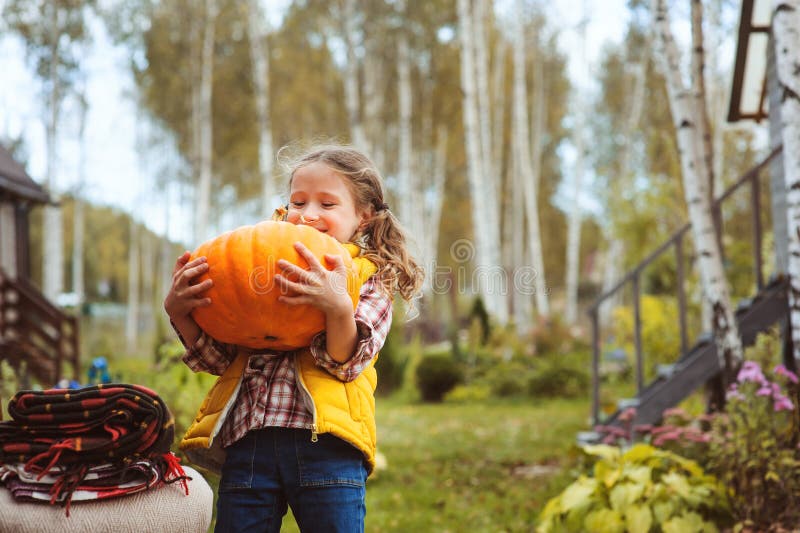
(272,459)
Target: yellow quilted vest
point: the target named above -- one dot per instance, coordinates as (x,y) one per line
(346,410)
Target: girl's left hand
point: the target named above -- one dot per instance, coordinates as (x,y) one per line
(319,287)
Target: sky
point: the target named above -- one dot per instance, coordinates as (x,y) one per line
(114,175)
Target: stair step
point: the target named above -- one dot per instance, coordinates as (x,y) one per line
(624,403)
(588,437)
(743,305)
(665,371)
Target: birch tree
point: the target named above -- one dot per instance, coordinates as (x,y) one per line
(78,228)
(696,176)
(574,214)
(786,33)
(258,32)
(49,29)
(405,180)
(204,122)
(485,217)
(523,164)
(132,316)
(351,84)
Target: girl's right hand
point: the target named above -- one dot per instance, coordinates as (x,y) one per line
(183,296)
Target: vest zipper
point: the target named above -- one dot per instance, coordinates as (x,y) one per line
(309,401)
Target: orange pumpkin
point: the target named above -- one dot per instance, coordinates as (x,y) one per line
(244,306)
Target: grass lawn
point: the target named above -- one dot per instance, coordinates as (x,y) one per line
(478,467)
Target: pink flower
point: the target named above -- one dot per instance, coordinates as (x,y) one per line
(675,411)
(783,403)
(764,391)
(643,428)
(668,436)
(781,370)
(734,395)
(751,372)
(627,414)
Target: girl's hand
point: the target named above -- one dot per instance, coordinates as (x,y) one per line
(183,296)
(319,287)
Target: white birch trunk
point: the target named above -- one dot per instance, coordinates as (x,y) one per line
(351,83)
(695,182)
(53,253)
(373,105)
(78,229)
(699,84)
(498,105)
(703,124)
(528,176)
(574,229)
(484,208)
(405,182)
(433,218)
(514,232)
(786,32)
(258,32)
(196,72)
(132,317)
(206,123)
(481,21)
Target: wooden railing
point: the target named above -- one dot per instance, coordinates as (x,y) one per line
(36,332)
(675,244)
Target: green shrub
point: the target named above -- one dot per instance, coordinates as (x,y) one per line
(642,490)
(436,376)
(558,380)
(661,341)
(553,336)
(507,379)
(468,394)
(391,363)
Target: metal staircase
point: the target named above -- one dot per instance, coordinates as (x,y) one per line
(698,363)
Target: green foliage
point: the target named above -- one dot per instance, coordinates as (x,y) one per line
(754,447)
(641,490)
(9,385)
(391,362)
(553,336)
(473,393)
(506,379)
(554,380)
(660,334)
(436,375)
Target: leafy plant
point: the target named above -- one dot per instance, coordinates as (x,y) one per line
(9,385)
(660,335)
(558,380)
(641,490)
(754,447)
(436,376)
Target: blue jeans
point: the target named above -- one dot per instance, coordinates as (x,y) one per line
(324,482)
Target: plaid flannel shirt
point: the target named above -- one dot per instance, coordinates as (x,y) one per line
(269,396)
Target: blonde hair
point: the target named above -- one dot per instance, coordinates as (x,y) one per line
(383,239)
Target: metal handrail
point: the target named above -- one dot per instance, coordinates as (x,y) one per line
(675,241)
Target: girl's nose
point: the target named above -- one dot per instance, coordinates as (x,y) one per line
(308,217)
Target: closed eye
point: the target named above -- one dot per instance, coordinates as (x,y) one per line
(298,204)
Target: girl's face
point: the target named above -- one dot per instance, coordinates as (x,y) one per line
(320,198)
